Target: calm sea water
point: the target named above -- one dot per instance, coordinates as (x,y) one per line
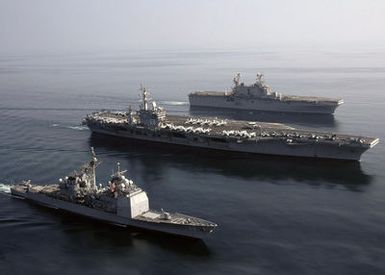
(275,215)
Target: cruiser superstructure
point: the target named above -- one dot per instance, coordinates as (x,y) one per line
(151,124)
(260,96)
(120,202)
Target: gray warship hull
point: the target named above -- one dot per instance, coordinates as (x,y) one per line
(273,139)
(288,104)
(197,232)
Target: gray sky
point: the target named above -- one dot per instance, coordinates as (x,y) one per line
(71,25)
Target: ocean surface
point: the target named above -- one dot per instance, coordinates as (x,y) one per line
(275,215)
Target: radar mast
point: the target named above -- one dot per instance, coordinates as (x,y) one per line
(93,163)
(237,79)
(144,97)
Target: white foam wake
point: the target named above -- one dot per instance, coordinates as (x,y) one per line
(78,128)
(174,103)
(5,188)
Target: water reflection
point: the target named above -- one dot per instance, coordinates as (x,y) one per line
(308,120)
(154,158)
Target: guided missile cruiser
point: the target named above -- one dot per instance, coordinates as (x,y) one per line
(119,202)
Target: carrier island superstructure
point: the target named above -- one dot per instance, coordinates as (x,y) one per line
(151,124)
(120,202)
(261,97)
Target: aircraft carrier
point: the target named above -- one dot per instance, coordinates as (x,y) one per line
(151,124)
(121,202)
(260,96)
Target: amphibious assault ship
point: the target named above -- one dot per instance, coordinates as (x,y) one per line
(121,202)
(151,124)
(260,96)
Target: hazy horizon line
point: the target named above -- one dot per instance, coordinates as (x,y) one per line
(263,48)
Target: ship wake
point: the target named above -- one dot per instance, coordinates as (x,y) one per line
(72,127)
(78,128)
(174,103)
(5,188)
